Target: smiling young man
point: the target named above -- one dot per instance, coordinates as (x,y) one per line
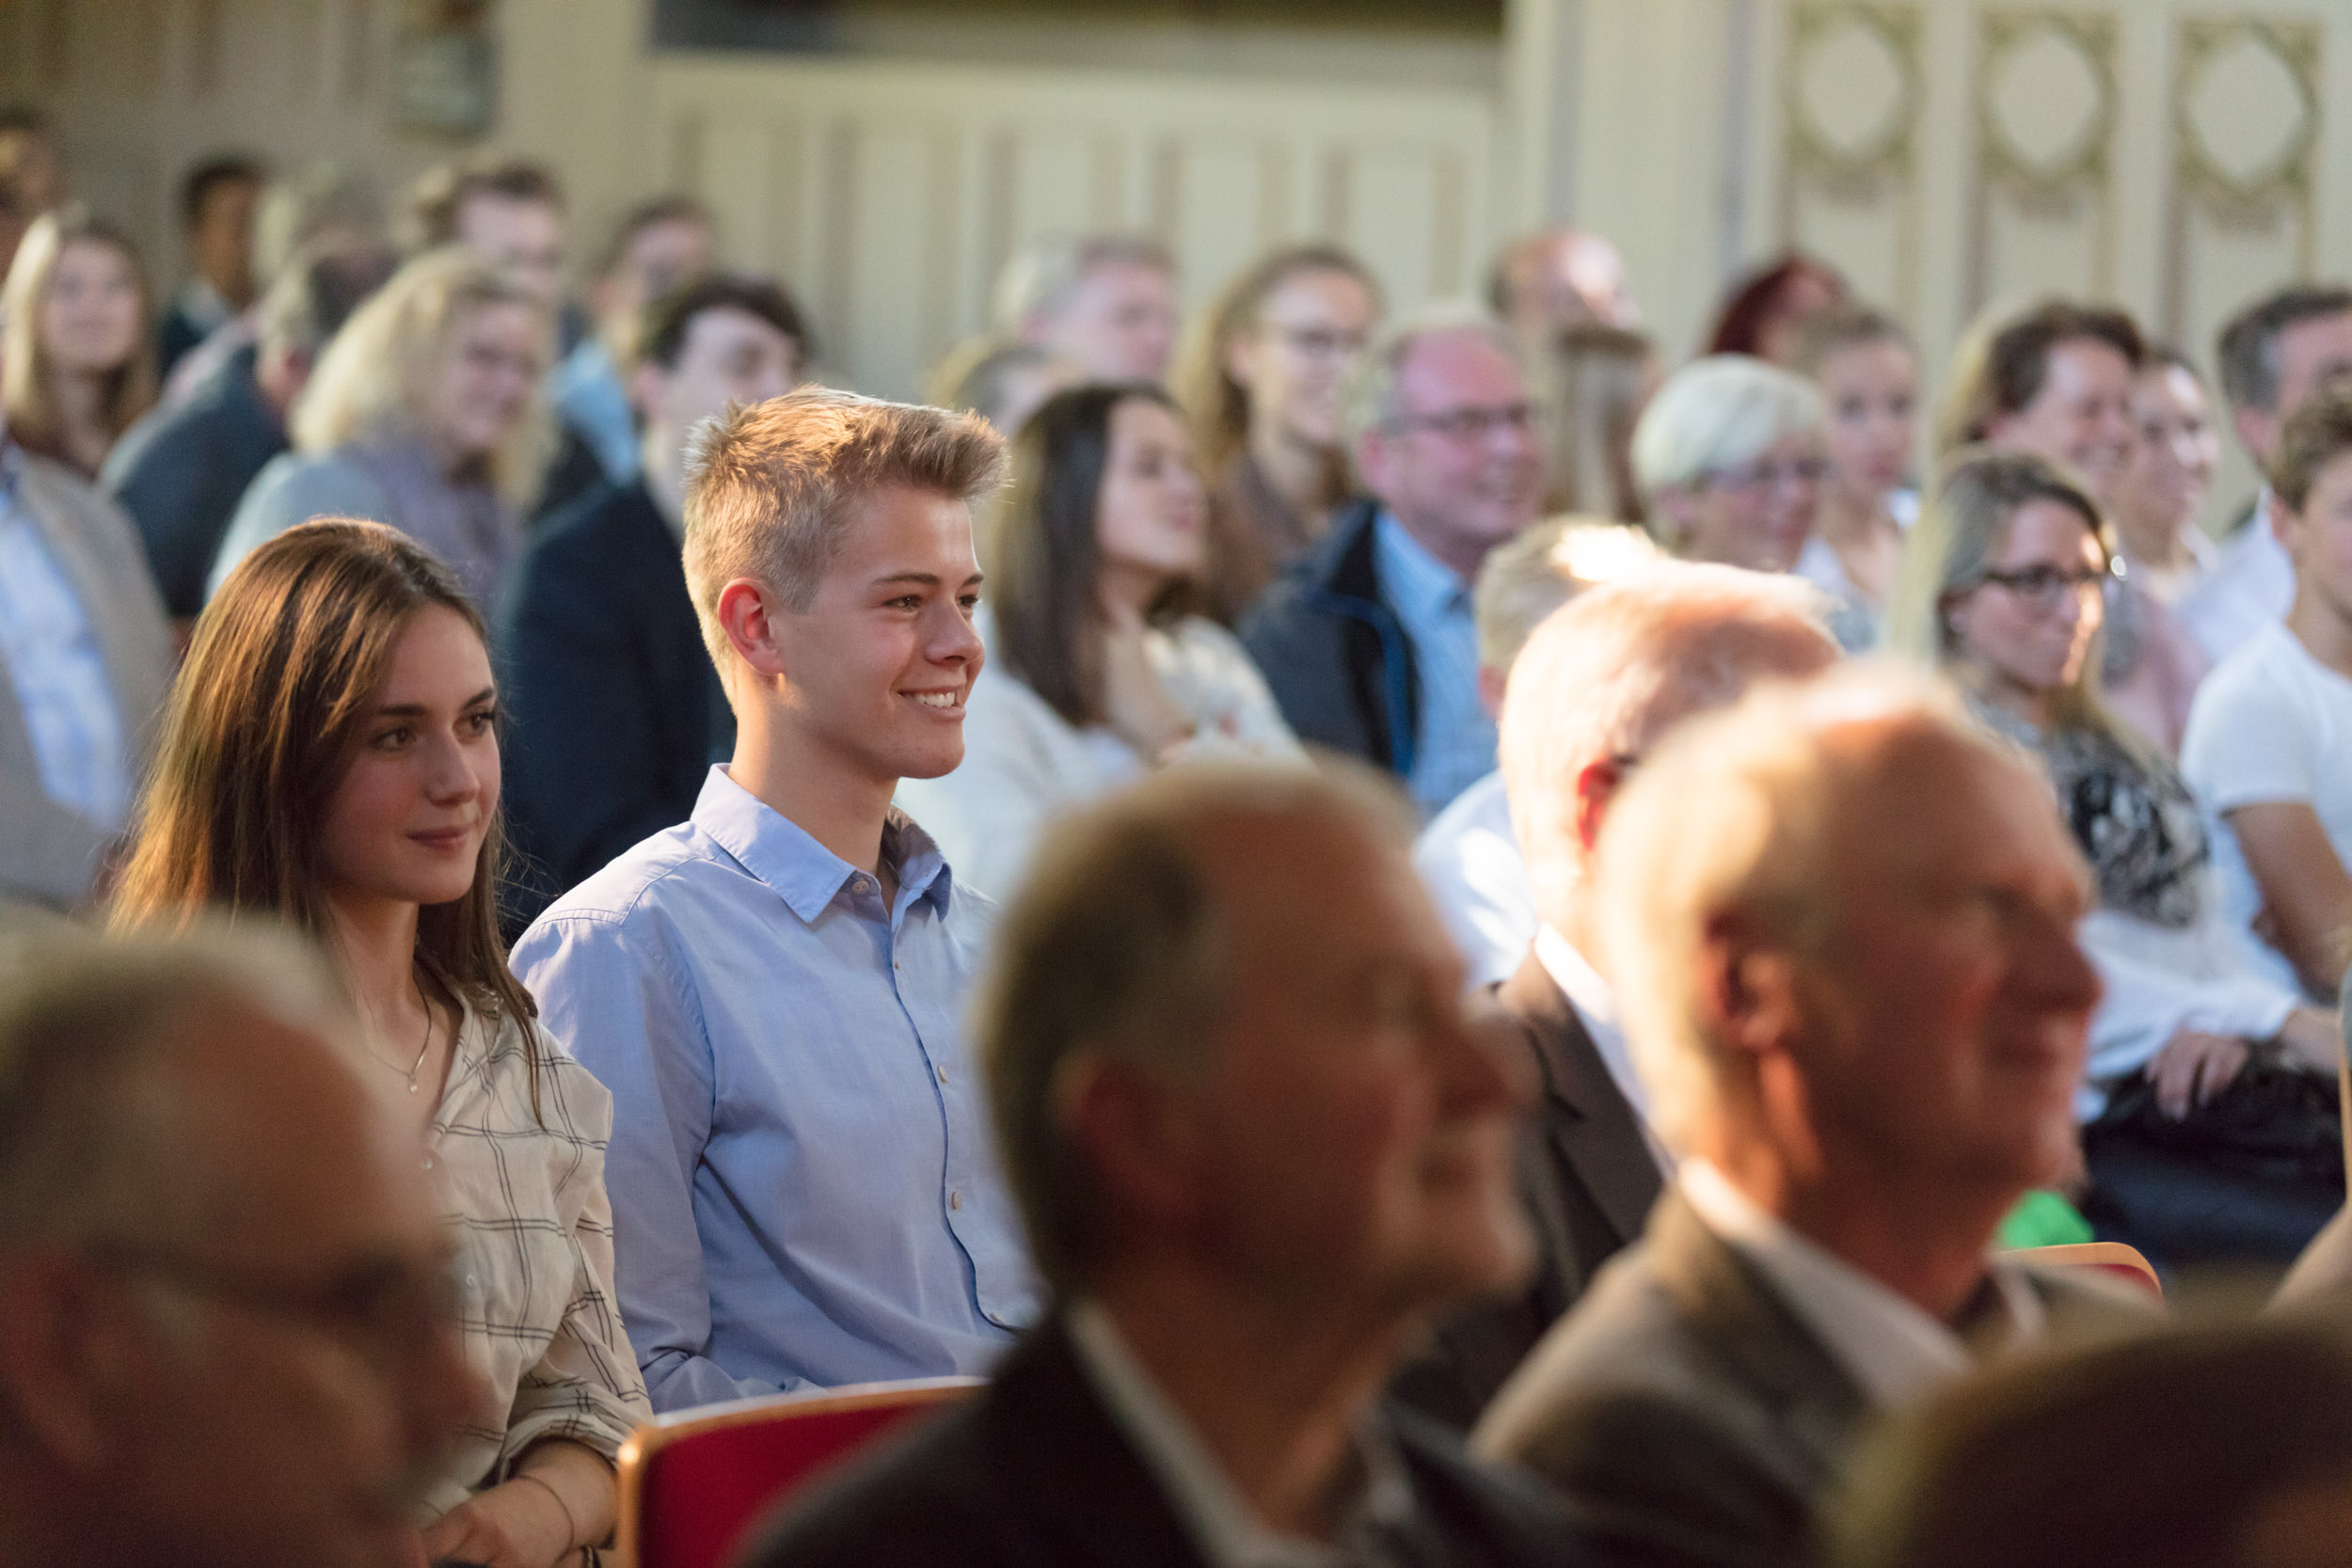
(804,1191)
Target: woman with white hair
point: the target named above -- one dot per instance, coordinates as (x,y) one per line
(2205,1075)
(426,413)
(1730,459)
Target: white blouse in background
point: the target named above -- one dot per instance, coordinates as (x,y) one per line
(524,1196)
(1024,764)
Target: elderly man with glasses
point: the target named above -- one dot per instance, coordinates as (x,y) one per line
(227,1330)
(1369,640)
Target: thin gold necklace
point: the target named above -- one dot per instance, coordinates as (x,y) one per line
(418,1066)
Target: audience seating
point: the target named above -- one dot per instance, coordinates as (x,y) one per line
(692,1483)
(2113,1257)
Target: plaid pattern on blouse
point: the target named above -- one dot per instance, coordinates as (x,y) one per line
(527,1205)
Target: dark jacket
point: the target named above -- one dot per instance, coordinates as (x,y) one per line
(1588,1180)
(180,472)
(1035,1473)
(614,712)
(1333,650)
(1692,1418)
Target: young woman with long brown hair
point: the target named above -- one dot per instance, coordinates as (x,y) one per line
(329,758)
(76,371)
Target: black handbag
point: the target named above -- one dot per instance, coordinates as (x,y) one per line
(2272,1123)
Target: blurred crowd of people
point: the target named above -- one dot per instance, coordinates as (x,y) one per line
(1473,982)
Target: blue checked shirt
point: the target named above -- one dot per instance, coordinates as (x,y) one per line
(805,1191)
(1454,744)
(58,671)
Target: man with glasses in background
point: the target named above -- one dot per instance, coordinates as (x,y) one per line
(1369,640)
(227,1334)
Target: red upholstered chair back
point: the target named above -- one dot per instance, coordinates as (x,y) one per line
(692,1483)
(2108,1258)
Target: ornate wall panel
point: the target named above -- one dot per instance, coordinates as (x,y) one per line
(1852,101)
(890,195)
(2041,218)
(2242,212)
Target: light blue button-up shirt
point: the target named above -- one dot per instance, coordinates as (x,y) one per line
(805,1190)
(1453,743)
(57,671)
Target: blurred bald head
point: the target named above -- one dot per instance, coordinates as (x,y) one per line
(222,1331)
(1226,1037)
(1560,278)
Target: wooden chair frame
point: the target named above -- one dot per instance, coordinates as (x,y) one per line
(664,1430)
(2094,1255)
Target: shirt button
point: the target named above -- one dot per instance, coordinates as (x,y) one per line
(955,1201)
(428,1165)
(943,1073)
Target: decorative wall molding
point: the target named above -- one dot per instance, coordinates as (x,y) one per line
(890,195)
(2046,110)
(1853,104)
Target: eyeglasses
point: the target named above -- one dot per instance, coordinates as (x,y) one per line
(2045,587)
(1472,424)
(1763,475)
(1315,342)
(390,1311)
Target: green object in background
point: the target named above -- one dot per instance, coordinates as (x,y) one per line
(2043,1219)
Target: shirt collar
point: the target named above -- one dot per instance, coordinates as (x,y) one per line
(1224,1527)
(1421,587)
(1595,1008)
(803,872)
(1891,1347)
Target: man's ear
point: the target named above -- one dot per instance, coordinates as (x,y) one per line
(54,1365)
(2285,526)
(747,612)
(1134,1134)
(2257,432)
(1746,990)
(1596,785)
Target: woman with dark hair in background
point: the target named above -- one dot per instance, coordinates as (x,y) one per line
(1766,312)
(1260,380)
(329,758)
(1096,673)
(75,367)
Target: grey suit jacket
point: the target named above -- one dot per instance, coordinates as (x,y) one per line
(1587,1180)
(1690,1417)
(49,853)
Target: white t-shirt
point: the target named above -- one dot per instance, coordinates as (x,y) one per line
(2249,585)
(2271,725)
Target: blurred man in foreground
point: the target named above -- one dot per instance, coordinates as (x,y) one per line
(225,1336)
(1257,1143)
(1597,687)
(1838,921)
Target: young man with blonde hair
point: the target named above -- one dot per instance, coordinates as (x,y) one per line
(804,1191)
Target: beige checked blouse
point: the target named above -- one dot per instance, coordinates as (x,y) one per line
(527,1204)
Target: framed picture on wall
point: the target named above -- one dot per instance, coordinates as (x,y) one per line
(445,68)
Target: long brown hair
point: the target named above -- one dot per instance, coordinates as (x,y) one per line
(1045,551)
(260,732)
(1216,405)
(28,398)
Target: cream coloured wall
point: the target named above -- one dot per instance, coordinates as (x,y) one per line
(2175,155)
(1955,157)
